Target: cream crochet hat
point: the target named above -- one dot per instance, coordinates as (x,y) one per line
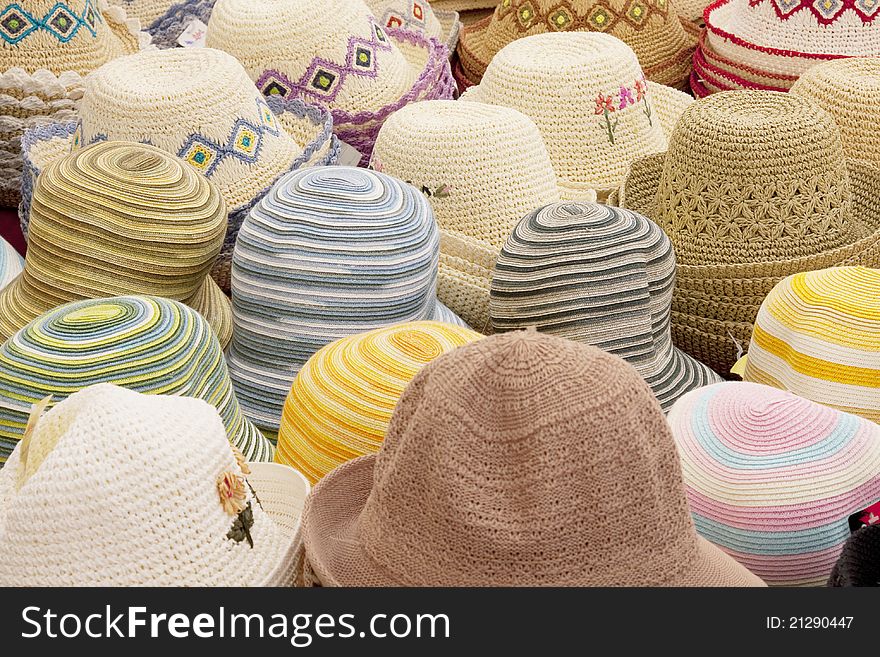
(483,167)
(418,15)
(587,94)
(116,488)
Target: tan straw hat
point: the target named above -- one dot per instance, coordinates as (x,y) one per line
(518,460)
(483,168)
(419,16)
(589,98)
(755,186)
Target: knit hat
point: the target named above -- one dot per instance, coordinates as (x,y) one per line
(650,27)
(336,54)
(482,167)
(148,344)
(115,488)
(11,263)
(755,186)
(590,100)
(342,399)
(328,253)
(48,47)
(818,335)
(773,478)
(418,16)
(120,218)
(200,105)
(859,562)
(518,460)
(601,276)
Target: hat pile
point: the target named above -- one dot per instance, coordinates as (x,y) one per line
(120,218)
(773,479)
(11,263)
(148,344)
(818,335)
(328,253)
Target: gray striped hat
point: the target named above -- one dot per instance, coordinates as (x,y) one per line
(329,252)
(599,275)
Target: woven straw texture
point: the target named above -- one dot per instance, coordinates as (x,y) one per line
(483,168)
(330,252)
(342,399)
(147,344)
(119,218)
(601,276)
(146,11)
(773,478)
(651,28)
(463,5)
(418,16)
(511,462)
(818,335)
(115,488)
(755,187)
(589,98)
(11,263)
(859,562)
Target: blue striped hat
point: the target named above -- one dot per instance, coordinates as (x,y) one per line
(329,252)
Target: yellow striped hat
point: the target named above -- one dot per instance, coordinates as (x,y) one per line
(818,335)
(341,401)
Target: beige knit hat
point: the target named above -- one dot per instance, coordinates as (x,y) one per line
(419,16)
(483,167)
(587,94)
(518,460)
(755,186)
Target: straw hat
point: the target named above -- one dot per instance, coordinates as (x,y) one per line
(200,105)
(463,5)
(120,218)
(11,263)
(115,488)
(148,344)
(650,27)
(146,11)
(773,479)
(602,276)
(859,562)
(755,186)
(48,46)
(335,54)
(419,16)
(482,167)
(818,335)
(518,460)
(591,102)
(342,399)
(328,253)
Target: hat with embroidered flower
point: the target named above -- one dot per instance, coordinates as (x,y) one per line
(335,54)
(755,186)
(48,47)
(11,263)
(482,167)
(116,488)
(593,105)
(200,105)
(419,16)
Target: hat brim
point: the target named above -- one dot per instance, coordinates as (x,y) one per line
(450,26)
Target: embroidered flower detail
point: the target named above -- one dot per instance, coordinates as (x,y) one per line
(232,494)
(641,89)
(376,164)
(441,192)
(605,106)
(641,86)
(626,97)
(240,459)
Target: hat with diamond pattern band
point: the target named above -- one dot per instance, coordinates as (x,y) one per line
(419,16)
(755,186)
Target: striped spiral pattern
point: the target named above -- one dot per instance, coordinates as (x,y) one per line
(602,276)
(11,263)
(818,335)
(329,252)
(147,344)
(341,401)
(772,478)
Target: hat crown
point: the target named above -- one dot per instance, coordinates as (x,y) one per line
(409,14)
(524,458)
(755,177)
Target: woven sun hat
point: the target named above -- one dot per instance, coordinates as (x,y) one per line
(483,167)
(342,399)
(650,27)
(200,105)
(773,479)
(817,334)
(859,562)
(120,218)
(329,252)
(589,98)
(48,47)
(115,488)
(602,276)
(335,54)
(11,263)
(146,11)
(147,344)
(755,186)
(418,16)
(521,459)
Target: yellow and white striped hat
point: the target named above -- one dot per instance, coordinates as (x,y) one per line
(818,335)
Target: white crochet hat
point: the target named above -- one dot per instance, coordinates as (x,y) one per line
(417,15)
(116,488)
